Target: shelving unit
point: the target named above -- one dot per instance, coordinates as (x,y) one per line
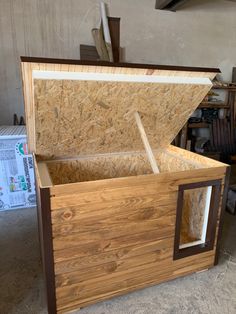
(213,105)
(222,130)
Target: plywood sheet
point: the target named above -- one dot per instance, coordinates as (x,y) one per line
(107,166)
(97,168)
(85,117)
(193,215)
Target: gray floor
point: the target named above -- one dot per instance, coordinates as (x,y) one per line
(21,284)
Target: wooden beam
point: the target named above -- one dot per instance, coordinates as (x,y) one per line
(161,4)
(146,144)
(106,30)
(170,5)
(114,26)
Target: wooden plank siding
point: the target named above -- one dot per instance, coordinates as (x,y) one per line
(115,236)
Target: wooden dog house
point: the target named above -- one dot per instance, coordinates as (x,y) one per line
(119,207)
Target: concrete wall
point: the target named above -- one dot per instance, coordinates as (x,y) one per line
(202,33)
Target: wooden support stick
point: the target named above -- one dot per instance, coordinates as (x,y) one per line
(146,144)
(106,30)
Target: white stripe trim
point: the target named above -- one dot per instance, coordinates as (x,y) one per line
(109,77)
(183,246)
(206,213)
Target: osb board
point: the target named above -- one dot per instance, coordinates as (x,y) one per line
(97,168)
(193,215)
(28,65)
(85,117)
(114,236)
(114,166)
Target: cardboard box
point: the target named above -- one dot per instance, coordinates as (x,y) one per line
(17,185)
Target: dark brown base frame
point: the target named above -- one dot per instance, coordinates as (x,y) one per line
(212,220)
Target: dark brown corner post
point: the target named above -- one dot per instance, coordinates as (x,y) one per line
(212,220)
(45,232)
(222,214)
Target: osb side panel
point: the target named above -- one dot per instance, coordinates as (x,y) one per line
(113,166)
(85,117)
(193,214)
(97,168)
(193,157)
(172,163)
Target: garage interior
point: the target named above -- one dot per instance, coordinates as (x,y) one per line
(192,33)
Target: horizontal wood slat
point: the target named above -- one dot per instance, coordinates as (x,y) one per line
(71,305)
(131,279)
(87,225)
(110,195)
(163,181)
(108,260)
(88,248)
(115,265)
(164,226)
(137,206)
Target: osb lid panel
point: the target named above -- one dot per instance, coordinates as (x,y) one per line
(87,113)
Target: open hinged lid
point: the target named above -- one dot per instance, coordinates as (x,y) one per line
(77,108)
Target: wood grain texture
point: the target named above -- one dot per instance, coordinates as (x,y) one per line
(98,167)
(116,235)
(105,166)
(109,255)
(85,117)
(113,236)
(131,279)
(97,247)
(50,64)
(132,207)
(88,234)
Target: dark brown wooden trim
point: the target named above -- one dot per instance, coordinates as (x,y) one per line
(196,185)
(45,232)
(114,26)
(222,214)
(88,52)
(120,64)
(212,221)
(170,5)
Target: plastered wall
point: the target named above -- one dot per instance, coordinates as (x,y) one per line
(202,33)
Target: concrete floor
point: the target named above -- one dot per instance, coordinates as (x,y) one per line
(21,284)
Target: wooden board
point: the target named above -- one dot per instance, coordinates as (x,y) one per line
(70,117)
(114,236)
(98,167)
(105,166)
(85,117)
(81,294)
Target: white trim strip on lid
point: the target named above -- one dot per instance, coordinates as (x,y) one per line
(109,77)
